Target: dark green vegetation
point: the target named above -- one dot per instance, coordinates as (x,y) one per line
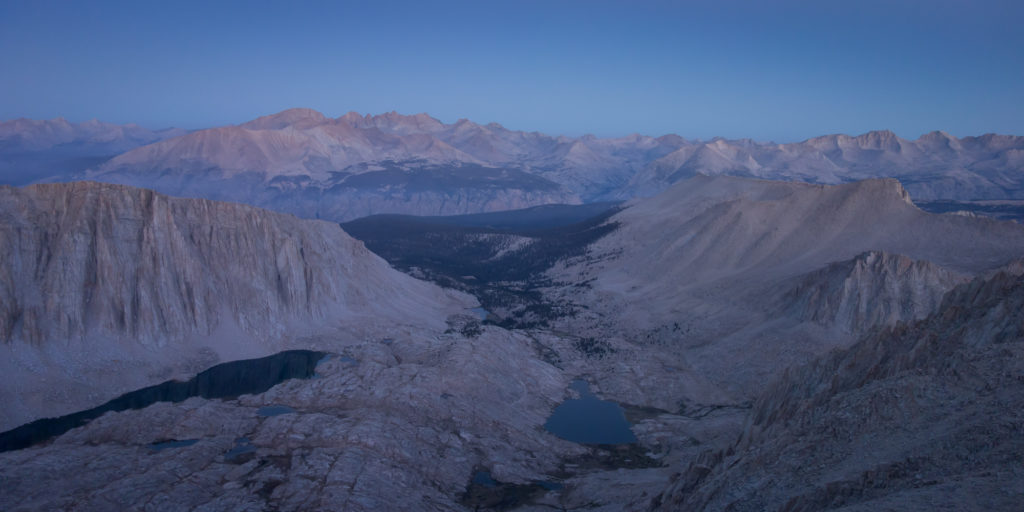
(999,209)
(227,381)
(498,257)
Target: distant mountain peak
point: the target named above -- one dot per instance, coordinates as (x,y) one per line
(285,118)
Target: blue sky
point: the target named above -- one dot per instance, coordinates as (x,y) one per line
(780,71)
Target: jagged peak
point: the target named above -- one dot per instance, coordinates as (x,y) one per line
(284,118)
(879,139)
(394,117)
(352,115)
(936,134)
(881,134)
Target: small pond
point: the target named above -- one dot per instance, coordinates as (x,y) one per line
(173,443)
(590,420)
(243,446)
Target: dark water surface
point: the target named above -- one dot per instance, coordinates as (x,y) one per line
(590,420)
(227,381)
(243,445)
(174,443)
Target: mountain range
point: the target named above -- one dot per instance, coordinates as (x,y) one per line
(303,162)
(809,341)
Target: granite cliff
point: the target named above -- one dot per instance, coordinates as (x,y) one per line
(97,277)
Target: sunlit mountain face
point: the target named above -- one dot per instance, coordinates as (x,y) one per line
(299,161)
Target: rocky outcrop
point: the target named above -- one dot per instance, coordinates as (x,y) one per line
(93,272)
(873,289)
(921,415)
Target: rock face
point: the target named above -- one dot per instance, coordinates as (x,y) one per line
(302,162)
(875,288)
(97,274)
(923,415)
(705,268)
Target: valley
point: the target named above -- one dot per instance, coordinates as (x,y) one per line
(511,256)
(658,320)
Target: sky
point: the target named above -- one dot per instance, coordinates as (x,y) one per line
(768,70)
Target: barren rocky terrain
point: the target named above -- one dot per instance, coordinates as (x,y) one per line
(107,288)
(925,415)
(771,346)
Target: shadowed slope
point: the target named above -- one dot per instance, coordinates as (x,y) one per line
(923,415)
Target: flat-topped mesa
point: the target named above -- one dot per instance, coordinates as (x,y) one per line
(86,259)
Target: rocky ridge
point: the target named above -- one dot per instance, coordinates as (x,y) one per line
(874,288)
(98,276)
(920,415)
(704,270)
(303,162)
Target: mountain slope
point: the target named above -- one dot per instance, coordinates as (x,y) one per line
(97,276)
(924,415)
(705,268)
